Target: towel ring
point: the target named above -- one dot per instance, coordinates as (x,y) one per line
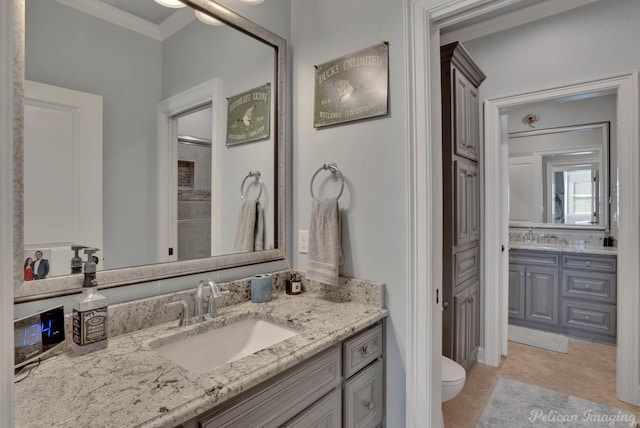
(333,168)
(255,174)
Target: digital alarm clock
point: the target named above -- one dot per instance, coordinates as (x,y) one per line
(37,334)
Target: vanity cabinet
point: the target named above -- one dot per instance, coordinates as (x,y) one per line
(461,78)
(533,287)
(342,386)
(573,294)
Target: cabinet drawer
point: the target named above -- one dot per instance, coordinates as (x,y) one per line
(361,350)
(596,286)
(325,413)
(592,317)
(465,264)
(582,261)
(273,405)
(539,258)
(363,405)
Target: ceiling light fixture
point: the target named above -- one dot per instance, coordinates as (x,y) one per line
(174,4)
(203,17)
(252,1)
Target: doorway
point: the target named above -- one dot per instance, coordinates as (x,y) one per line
(426,19)
(195,161)
(625,88)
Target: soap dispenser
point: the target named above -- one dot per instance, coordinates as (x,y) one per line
(90,316)
(76,260)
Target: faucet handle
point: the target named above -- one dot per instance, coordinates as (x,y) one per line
(185,318)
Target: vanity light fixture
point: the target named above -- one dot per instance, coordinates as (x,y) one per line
(174,4)
(203,17)
(252,1)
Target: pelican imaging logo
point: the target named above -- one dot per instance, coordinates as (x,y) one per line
(352,87)
(248,115)
(589,417)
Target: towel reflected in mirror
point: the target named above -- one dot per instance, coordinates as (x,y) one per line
(250,232)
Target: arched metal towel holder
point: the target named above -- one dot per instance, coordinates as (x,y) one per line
(333,168)
(255,174)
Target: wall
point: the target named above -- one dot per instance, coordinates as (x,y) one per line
(71,49)
(371,154)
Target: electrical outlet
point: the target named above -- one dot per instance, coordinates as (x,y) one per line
(303,241)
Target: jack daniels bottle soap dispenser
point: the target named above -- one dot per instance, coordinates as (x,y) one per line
(90,317)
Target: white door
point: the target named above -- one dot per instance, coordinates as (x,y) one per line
(62,173)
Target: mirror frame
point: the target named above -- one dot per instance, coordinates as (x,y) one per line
(605,127)
(71,284)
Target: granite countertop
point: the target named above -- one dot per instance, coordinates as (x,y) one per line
(563,248)
(129,384)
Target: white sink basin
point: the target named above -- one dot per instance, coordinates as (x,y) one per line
(218,346)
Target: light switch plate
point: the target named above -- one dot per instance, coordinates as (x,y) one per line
(303,241)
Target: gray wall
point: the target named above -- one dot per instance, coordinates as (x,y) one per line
(371,154)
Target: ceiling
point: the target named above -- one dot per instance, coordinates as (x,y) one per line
(148,10)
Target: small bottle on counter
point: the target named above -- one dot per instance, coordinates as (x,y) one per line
(294,285)
(90,316)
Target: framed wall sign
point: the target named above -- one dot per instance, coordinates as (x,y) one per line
(352,87)
(248,117)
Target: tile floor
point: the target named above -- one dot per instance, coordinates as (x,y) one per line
(587,371)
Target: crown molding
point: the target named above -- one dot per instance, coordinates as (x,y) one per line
(131,22)
(502,22)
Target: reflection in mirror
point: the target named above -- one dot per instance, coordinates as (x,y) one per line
(560,176)
(114,125)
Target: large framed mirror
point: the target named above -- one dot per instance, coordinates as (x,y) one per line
(126,117)
(559,177)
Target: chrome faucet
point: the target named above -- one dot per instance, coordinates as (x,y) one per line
(185,318)
(215,293)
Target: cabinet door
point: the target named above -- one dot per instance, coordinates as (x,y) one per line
(473,202)
(461,198)
(542,295)
(473,130)
(326,413)
(467,202)
(461,342)
(473,332)
(461,111)
(363,404)
(516,292)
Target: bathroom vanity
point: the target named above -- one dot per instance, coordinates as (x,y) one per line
(566,290)
(331,370)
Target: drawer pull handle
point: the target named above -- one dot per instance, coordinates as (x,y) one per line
(587,285)
(365,349)
(587,263)
(368,404)
(586,317)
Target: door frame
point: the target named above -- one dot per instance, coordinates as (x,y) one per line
(424,18)
(625,87)
(208,92)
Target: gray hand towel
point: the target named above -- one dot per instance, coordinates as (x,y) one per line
(325,241)
(250,231)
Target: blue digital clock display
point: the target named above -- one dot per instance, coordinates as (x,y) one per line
(36,334)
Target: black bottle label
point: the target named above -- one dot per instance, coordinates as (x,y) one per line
(89,326)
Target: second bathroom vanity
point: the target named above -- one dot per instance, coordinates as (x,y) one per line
(564,289)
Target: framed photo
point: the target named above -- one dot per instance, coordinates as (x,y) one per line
(248,115)
(352,87)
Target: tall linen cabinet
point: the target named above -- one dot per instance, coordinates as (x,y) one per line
(461,78)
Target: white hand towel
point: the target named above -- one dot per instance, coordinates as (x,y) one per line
(325,241)
(250,231)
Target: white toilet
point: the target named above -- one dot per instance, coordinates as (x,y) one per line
(453,377)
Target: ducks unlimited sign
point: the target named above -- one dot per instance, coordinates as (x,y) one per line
(352,87)
(248,115)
